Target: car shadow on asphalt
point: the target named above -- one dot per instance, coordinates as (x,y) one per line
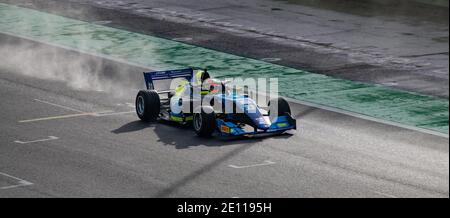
(133,126)
(183,136)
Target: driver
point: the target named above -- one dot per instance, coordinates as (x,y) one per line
(211,86)
(206,84)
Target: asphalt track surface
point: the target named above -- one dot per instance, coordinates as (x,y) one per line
(60,141)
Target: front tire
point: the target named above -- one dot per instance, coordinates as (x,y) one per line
(204,122)
(148,105)
(280,106)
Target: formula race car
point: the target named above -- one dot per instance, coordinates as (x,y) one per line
(210,105)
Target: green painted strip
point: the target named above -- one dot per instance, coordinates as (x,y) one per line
(376,101)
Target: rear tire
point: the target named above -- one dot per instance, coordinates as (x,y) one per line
(204,123)
(148,105)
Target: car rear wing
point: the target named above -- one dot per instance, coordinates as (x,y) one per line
(149,77)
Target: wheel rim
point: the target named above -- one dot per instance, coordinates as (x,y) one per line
(140,107)
(197,122)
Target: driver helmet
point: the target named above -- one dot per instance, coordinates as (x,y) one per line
(212,85)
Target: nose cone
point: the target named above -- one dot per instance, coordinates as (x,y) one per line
(250,108)
(262,123)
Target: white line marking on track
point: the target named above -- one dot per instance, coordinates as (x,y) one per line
(111,113)
(39,140)
(60,106)
(130,105)
(94,114)
(21,182)
(183,39)
(271,59)
(55,117)
(267,162)
(102,112)
(78,114)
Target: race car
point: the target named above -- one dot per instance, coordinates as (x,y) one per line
(210,105)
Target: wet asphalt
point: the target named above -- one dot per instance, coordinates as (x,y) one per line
(60,141)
